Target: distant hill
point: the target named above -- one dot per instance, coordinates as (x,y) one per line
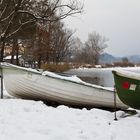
(108,58)
(134,58)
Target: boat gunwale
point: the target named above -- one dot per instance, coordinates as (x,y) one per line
(10,66)
(127,74)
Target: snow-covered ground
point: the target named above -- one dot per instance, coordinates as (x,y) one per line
(33,120)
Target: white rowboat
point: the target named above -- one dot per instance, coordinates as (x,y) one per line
(28,83)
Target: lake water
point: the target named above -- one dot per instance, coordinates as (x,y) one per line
(99,76)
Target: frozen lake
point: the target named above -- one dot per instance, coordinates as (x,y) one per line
(99,76)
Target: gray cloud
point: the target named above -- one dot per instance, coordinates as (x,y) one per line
(117,20)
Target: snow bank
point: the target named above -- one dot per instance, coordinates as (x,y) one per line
(26,120)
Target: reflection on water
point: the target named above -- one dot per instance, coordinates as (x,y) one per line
(99,76)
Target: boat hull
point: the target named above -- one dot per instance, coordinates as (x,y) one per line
(28,84)
(128,88)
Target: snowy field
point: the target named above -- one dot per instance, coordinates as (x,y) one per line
(33,120)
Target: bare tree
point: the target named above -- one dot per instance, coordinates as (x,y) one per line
(62,39)
(94,46)
(76,51)
(52,43)
(13,13)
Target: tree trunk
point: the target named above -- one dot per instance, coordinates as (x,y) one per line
(13,51)
(17,55)
(2,51)
(39,62)
(2,43)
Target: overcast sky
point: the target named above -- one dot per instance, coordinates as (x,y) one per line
(118,20)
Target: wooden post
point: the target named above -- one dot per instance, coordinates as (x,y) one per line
(115,105)
(1,75)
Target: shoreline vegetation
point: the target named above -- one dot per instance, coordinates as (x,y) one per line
(62,67)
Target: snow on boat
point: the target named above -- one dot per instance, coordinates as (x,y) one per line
(28,83)
(128,87)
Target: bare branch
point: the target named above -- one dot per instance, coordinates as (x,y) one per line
(1,14)
(1,2)
(21,25)
(4,19)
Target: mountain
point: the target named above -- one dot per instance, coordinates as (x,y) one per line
(134,58)
(108,58)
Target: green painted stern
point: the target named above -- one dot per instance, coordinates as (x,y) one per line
(128,89)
